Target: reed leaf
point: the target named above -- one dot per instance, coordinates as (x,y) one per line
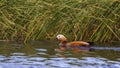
(88,20)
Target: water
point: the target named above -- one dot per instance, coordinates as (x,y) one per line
(42,54)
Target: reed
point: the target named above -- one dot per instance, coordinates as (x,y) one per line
(89,20)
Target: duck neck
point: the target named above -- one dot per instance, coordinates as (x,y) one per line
(63,42)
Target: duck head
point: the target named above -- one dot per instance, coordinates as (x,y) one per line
(61,38)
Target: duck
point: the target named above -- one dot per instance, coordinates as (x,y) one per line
(64,44)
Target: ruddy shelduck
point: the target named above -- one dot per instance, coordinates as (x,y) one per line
(75,44)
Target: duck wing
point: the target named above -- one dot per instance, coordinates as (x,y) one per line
(78,43)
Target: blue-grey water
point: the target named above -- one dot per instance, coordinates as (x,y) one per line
(42,54)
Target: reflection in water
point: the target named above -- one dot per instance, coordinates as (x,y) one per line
(43,55)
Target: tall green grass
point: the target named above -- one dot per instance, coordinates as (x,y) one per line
(89,20)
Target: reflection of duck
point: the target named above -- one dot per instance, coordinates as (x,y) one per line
(72,45)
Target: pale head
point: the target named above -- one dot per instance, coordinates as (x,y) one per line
(61,37)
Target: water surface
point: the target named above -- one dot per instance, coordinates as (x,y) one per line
(42,54)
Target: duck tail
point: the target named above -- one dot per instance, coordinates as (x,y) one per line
(91,43)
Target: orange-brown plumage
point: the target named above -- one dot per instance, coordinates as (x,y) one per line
(78,43)
(64,43)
